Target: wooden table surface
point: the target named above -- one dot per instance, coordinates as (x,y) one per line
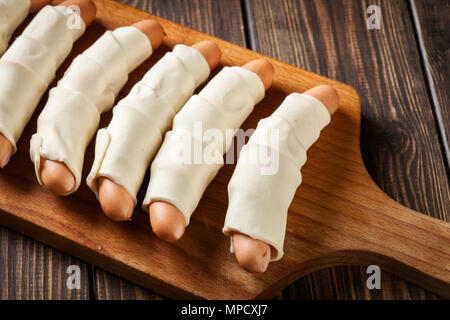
(400,72)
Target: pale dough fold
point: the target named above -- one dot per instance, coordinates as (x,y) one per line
(126,147)
(12,13)
(223,105)
(259,201)
(88,88)
(29,66)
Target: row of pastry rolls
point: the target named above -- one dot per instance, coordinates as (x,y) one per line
(258,203)
(176,187)
(126,147)
(88,88)
(152,123)
(29,66)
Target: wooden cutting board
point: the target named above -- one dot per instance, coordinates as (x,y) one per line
(338,216)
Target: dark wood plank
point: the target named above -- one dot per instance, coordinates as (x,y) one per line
(218,18)
(221,19)
(345,283)
(32,270)
(399,140)
(111,287)
(431,21)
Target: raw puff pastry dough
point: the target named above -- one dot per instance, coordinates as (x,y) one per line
(258,203)
(125,148)
(29,66)
(12,13)
(88,88)
(224,103)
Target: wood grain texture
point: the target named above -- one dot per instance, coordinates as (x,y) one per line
(398,139)
(108,286)
(348,283)
(32,270)
(221,19)
(431,19)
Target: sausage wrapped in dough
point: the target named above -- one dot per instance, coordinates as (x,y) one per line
(260,192)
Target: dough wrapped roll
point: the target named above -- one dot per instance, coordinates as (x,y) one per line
(261,190)
(223,105)
(12,13)
(29,66)
(88,88)
(126,147)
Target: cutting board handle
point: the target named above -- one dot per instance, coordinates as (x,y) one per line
(407,243)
